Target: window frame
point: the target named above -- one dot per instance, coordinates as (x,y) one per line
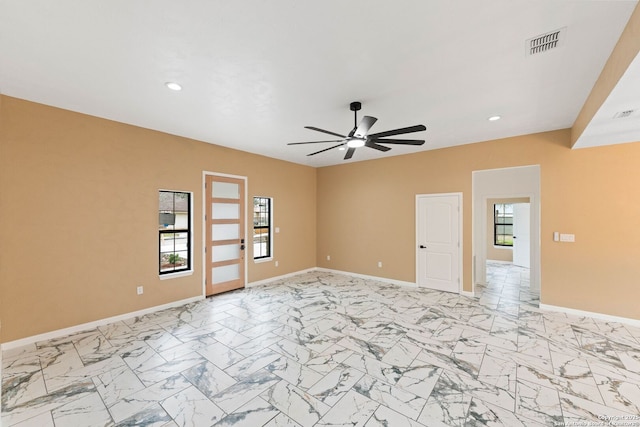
(269,255)
(187,269)
(496,225)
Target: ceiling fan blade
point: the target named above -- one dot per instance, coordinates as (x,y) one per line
(372,144)
(324,131)
(349,154)
(313,142)
(326,149)
(400,141)
(364,126)
(410,129)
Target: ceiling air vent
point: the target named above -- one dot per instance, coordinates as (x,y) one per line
(546,42)
(623,114)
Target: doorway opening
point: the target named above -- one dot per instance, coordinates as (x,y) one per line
(519,186)
(507,287)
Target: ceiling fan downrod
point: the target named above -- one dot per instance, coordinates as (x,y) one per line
(355,107)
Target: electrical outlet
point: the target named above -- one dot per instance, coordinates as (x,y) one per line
(379,264)
(276,263)
(328,257)
(140,290)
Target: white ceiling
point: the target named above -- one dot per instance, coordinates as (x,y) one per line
(256,72)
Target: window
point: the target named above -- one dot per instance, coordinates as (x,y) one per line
(503,224)
(262,225)
(174,231)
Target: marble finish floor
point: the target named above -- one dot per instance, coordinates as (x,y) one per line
(322,349)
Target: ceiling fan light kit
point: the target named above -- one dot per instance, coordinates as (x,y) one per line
(360,137)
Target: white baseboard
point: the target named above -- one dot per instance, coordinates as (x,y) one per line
(91,325)
(364,276)
(468,294)
(600,316)
(273,279)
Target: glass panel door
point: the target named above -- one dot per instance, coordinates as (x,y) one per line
(225,228)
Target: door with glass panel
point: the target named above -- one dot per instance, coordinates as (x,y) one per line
(225,234)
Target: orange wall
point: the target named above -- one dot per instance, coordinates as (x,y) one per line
(366,214)
(79,201)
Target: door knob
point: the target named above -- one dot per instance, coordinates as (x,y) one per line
(423,247)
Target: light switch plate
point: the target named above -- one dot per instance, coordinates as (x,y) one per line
(570,238)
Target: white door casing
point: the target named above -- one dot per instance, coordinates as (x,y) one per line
(521,232)
(438,241)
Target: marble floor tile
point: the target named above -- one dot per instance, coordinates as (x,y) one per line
(231,398)
(220,355)
(294,372)
(295,403)
(87,411)
(148,397)
(445,409)
(324,349)
(23,411)
(208,378)
(538,403)
(353,409)
(154,416)
(419,379)
(116,384)
(44,419)
(385,417)
(375,368)
(327,360)
(485,414)
(393,397)
(192,408)
(256,412)
(498,373)
(333,386)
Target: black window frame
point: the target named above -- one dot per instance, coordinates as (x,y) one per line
(186,267)
(257,224)
(496,224)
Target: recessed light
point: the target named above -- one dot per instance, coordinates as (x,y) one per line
(494,118)
(173,86)
(342,148)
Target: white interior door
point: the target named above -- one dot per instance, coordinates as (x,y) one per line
(521,235)
(438,237)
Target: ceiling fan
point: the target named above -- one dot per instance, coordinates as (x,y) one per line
(360,136)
